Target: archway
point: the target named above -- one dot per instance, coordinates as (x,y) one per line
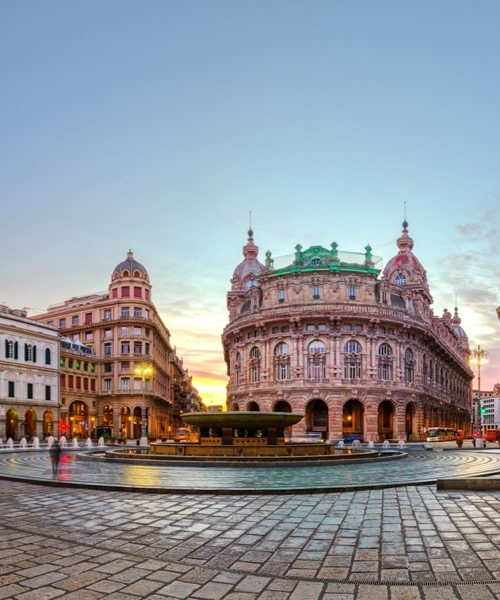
(126,427)
(353,417)
(282,406)
(253,406)
(30,423)
(411,422)
(385,420)
(78,419)
(48,423)
(317,417)
(11,420)
(235,406)
(137,421)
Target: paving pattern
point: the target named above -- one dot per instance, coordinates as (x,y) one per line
(394,543)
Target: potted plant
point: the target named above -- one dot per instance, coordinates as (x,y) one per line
(459,442)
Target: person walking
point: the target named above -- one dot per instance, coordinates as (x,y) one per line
(55,454)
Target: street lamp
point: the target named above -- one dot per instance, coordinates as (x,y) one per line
(479,355)
(144,370)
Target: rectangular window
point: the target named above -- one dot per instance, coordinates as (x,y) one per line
(146,332)
(125,365)
(62,322)
(48,392)
(108,333)
(125,331)
(78,383)
(137,292)
(316,292)
(137,384)
(88,318)
(107,385)
(107,315)
(137,312)
(281,296)
(114,293)
(352,293)
(88,335)
(125,384)
(137,347)
(146,292)
(70,381)
(29,391)
(125,292)
(137,330)
(108,349)
(146,349)
(125,348)
(85,383)
(108,367)
(125,311)
(74,320)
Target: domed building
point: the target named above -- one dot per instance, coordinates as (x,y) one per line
(118,370)
(356,348)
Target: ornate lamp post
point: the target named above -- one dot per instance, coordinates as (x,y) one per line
(478,355)
(143,371)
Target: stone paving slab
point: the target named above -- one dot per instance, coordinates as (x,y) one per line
(404,543)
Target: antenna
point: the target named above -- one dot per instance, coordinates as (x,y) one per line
(405,211)
(250,219)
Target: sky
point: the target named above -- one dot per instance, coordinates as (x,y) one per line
(160,126)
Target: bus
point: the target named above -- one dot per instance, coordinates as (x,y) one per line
(441,434)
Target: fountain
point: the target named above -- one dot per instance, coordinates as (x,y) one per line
(401,444)
(50,441)
(23,443)
(240,437)
(386,444)
(75,443)
(100,443)
(371,444)
(35,442)
(89,443)
(10,443)
(63,442)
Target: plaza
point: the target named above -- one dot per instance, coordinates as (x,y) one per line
(121,532)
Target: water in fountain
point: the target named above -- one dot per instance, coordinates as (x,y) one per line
(370,444)
(10,443)
(50,441)
(100,443)
(23,443)
(63,441)
(356,444)
(1,443)
(36,442)
(401,444)
(386,444)
(340,444)
(75,443)
(89,443)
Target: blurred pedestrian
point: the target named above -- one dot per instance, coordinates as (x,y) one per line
(55,455)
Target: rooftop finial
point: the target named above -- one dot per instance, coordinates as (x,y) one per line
(250,232)
(405,222)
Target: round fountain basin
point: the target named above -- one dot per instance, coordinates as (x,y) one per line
(242,419)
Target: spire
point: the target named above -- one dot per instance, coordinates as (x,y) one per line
(405,242)
(250,250)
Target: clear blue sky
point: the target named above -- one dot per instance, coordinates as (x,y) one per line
(158,125)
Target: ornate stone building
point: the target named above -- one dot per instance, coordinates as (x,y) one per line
(118,369)
(356,348)
(29,384)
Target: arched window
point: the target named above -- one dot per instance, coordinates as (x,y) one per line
(316,360)
(237,368)
(409,365)
(352,360)
(385,362)
(281,296)
(254,364)
(47,356)
(400,279)
(281,361)
(385,350)
(352,346)
(250,283)
(281,348)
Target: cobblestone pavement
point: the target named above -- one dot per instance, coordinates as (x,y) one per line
(397,543)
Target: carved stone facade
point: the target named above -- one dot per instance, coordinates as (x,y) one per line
(356,348)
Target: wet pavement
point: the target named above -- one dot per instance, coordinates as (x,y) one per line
(394,541)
